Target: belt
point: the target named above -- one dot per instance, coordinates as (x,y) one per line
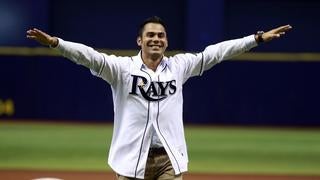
(157,151)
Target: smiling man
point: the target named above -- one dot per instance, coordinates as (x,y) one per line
(153,42)
(148,139)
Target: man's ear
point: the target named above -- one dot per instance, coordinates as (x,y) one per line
(139,41)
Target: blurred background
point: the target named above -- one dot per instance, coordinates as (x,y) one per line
(275,84)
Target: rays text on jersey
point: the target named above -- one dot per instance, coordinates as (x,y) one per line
(156,90)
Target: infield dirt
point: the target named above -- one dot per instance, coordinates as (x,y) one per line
(78,175)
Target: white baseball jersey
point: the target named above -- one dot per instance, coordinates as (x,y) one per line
(146,100)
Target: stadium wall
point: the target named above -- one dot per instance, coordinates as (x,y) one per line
(275,84)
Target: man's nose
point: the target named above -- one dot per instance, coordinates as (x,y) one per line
(156,39)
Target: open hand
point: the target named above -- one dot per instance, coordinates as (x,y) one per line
(42,37)
(275,33)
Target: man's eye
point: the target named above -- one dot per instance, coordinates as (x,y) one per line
(150,34)
(161,35)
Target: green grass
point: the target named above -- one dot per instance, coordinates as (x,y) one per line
(254,150)
(54,146)
(211,150)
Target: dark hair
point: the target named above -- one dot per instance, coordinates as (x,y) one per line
(153,19)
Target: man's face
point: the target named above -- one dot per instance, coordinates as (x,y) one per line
(154,40)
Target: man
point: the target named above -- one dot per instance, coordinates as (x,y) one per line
(148,140)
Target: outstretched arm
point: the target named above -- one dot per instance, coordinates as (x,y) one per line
(228,49)
(76,52)
(213,54)
(42,37)
(100,64)
(273,34)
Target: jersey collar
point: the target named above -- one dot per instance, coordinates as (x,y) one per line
(139,62)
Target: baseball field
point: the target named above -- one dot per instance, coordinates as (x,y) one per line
(79,151)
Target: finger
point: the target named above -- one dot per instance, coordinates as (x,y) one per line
(276,35)
(31,37)
(284,28)
(32,32)
(38,31)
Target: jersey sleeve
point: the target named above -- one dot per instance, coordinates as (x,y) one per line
(100,64)
(195,64)
(225,50)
